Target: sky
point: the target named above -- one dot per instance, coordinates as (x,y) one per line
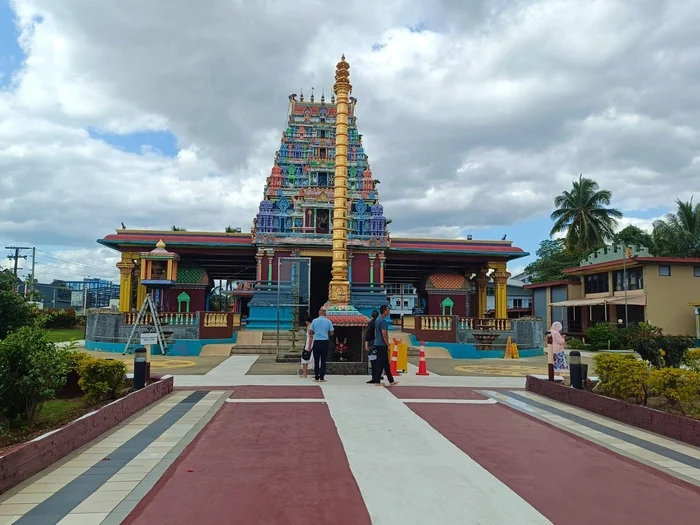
(475,115)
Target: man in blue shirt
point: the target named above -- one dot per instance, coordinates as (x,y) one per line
(321,330)
(381,343)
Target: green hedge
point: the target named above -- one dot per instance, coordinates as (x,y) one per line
(622,376)
(101,379)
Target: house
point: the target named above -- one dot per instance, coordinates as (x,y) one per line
(544,294)
(518,296)
(623,286)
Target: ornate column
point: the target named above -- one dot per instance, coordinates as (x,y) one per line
(258,259)
(270,258)
(339,287)
(372,258)
(141,290)
(382,259)
(126,268)
(482,282)
(500,279)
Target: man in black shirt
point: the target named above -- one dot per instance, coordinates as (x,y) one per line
(369,344)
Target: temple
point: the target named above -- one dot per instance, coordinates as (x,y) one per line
(320,237)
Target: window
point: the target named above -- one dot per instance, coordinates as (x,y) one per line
(489,290)
(596,283)
(408,289)
(405,304)
(393,289)
(323,133)
(635,279)
(665,271)
(696,271)
(516,303)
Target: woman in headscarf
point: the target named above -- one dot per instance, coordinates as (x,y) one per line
(558,341)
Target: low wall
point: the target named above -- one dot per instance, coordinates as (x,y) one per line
(110,327)
(180,348)
(25,460)
(669,425)
(469,351)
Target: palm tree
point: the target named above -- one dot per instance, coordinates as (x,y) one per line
(177,229)
(678,235)
(582,214)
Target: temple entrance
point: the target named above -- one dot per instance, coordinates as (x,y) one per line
(320,279)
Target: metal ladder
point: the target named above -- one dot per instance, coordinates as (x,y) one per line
(145,307)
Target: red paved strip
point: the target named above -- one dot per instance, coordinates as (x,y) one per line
(259,464)
(569,480)
(435,392)
(277,392)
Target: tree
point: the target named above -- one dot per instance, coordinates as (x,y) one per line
(552,258)
(582,214)
(678,234)
(31,371)
(230,229)
(177,229)
(633,236)
(14,310)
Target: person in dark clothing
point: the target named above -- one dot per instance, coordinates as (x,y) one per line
(381,343)
(369,344)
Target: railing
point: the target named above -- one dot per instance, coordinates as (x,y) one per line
(441,323)
(169,318)
(473,323)
(408,322)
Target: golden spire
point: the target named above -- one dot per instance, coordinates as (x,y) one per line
(339,287)
(160,245)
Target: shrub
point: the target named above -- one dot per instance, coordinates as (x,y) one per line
(576,344)
(678,386)
(75,360)
(622,376)
(56,319)
(602,336)
(661,350)
(31,371)
(626,334)
(692,359)
(101,379)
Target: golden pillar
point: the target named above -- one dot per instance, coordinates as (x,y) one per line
(500,280)
(339,287)
(482,282)
(126,269)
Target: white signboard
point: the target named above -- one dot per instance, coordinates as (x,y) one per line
(149,339)
(76,298)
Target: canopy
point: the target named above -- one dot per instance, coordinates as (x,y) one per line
(635,300)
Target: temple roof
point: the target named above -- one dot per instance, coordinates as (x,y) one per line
(192,275)
(123,239)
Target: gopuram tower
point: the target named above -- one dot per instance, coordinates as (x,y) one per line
(320,208)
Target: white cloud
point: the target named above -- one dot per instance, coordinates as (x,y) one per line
(476,120)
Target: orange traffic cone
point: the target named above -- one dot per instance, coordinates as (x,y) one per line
(395,360)
(422,366)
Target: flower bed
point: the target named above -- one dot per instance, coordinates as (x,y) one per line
(25,460)
(667,424)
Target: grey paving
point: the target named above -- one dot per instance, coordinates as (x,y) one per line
(60,504)
(622,436)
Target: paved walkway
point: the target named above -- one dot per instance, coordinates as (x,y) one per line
(447,450)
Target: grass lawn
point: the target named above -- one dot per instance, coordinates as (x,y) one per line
(54,414)
(65,334)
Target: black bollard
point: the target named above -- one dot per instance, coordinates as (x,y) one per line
(140,365)
(575,369)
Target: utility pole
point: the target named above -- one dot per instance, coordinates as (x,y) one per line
(85,288)
(16,258)
(33,268)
